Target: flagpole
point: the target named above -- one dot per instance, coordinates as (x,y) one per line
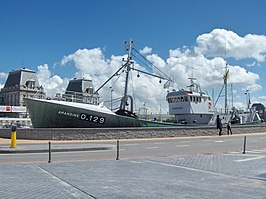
(225,89)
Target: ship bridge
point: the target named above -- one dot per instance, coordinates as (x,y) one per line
(190,106)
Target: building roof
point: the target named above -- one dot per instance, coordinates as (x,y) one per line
(20,77)
(79,85)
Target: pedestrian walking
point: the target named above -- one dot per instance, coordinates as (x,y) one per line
(219,125)
(229,128)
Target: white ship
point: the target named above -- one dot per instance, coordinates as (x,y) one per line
(193,106)
(190,106)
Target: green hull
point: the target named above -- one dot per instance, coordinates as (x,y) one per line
(58,114)
(257,122)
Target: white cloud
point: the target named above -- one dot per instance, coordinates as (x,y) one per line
(239,75)
(52,84)
(156,60)
(92,64)
(254,88)
(252,64)
(179,65)
(146,50)
(204,62)
(221,42)
(3,77)
(87,62)
(260,99)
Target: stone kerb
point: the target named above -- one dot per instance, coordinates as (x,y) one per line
(123,133)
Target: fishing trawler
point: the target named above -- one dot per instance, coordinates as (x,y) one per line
(191,106)
(65,114)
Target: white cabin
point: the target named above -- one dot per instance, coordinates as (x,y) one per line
(190,106)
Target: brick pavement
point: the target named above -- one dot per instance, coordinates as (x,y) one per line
(29,181)
(232,175)
(229,164)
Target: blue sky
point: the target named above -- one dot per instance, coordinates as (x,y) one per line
(40,34)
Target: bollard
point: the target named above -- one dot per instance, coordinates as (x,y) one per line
(117,150)
(13,136)
(244,149)
(50,154)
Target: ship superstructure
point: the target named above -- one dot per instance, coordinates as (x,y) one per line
(190,106)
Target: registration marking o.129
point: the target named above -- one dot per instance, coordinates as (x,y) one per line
(91,118)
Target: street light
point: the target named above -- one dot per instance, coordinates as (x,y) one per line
(29,83)
(145,110)
(247,93)
(111,102)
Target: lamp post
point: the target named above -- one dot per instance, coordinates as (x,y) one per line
(249,101)
(29,83)
(247,93)
(145,109)
(111,101)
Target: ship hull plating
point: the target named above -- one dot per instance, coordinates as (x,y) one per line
(58,114)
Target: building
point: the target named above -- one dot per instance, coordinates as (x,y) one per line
(82,91)
(20,84)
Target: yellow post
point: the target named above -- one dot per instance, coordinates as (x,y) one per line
(13,137)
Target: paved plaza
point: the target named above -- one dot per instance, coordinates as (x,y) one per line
(231,175)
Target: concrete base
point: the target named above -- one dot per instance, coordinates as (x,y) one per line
(123,133)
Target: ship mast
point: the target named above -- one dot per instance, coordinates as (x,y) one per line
(126,67)
(225,82)
(128,64)
(225,78)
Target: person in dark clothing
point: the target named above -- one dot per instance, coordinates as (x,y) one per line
(229,128)
(219,125)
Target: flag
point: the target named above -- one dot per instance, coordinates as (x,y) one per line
(226,76)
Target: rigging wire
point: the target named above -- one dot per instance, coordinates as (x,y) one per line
(218,96)
(151,64)
(112,86)
(154,49)
(140,60)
